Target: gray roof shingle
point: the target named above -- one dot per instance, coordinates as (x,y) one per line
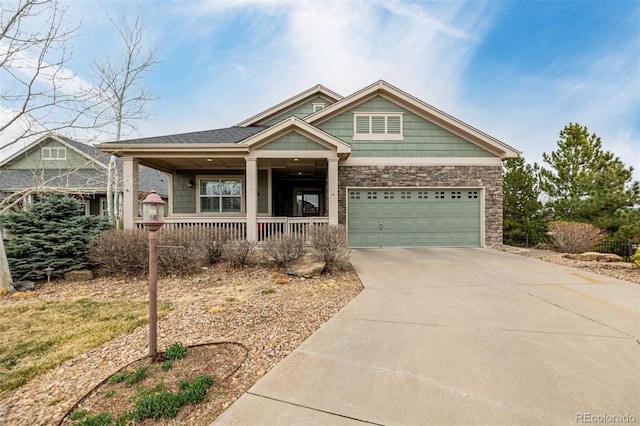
(81,180)
(227,135)
(89,179)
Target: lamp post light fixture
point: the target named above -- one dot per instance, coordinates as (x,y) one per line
(152,215)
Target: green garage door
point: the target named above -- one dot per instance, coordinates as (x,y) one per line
(379,217)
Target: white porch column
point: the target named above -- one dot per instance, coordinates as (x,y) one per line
(130,188)
(252,198)
(332,181)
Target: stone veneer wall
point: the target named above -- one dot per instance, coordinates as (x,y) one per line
(489,177)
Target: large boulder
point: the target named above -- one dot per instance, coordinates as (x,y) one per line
(307,266)
(594,256)
(79,275)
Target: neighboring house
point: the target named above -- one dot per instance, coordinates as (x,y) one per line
(391,168)
(55,163)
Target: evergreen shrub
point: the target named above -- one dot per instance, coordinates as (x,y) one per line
(53,232)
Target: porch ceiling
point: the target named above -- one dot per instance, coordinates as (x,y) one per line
(300,167)
(185,163)
(281,166)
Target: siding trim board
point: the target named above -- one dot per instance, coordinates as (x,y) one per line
(422,161)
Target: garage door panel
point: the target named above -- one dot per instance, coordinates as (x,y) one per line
(412,217)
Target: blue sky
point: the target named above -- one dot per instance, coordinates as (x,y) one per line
(517,70)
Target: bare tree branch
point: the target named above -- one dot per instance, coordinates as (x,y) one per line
(124,100)
(38,93)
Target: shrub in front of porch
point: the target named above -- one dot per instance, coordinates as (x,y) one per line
(284,248)
(329,244)
(125,252)
(238,252)
(120,252)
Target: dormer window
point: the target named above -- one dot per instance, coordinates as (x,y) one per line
(317,106)
(378,126)
(54,153)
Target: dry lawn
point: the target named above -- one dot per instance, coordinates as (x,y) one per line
(37,336)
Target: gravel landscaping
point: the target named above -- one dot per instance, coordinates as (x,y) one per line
(621,270)
(265,311)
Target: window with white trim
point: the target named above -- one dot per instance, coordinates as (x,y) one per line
(317,106)
(54,153)
(378,126)
(104,207)
(220,195)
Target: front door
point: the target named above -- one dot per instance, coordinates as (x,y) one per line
(307,203)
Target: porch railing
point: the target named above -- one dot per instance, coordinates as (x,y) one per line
(236,227)
(274,227)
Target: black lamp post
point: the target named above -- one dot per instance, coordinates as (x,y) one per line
(152,215)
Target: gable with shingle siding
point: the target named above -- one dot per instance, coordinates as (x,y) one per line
(421,138)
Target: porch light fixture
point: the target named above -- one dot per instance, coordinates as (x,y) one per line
(296,159)
(152,211)
(152,215)
(209,159)
(190,184)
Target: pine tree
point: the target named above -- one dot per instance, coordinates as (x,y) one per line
(522,209)
(587,184)
(53,232)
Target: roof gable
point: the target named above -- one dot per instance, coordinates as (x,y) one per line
(418,107)
(290,104)
(92,154)
(293,141)
(293,124)
(420,138)
(89,179)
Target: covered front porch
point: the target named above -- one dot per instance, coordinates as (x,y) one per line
(278,181)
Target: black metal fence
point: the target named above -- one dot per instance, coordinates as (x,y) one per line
(622,249)
(523,240)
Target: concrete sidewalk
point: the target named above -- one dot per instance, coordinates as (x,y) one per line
(461,336)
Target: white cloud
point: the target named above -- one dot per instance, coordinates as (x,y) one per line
(421,47)
(50,75)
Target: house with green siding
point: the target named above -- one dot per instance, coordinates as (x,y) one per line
(393,169)
(54,163)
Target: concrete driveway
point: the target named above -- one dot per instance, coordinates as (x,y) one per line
(462,336)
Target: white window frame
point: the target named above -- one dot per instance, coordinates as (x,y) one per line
(221,178)
(47,152)
(386,136)
(104,210)
(317,106)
